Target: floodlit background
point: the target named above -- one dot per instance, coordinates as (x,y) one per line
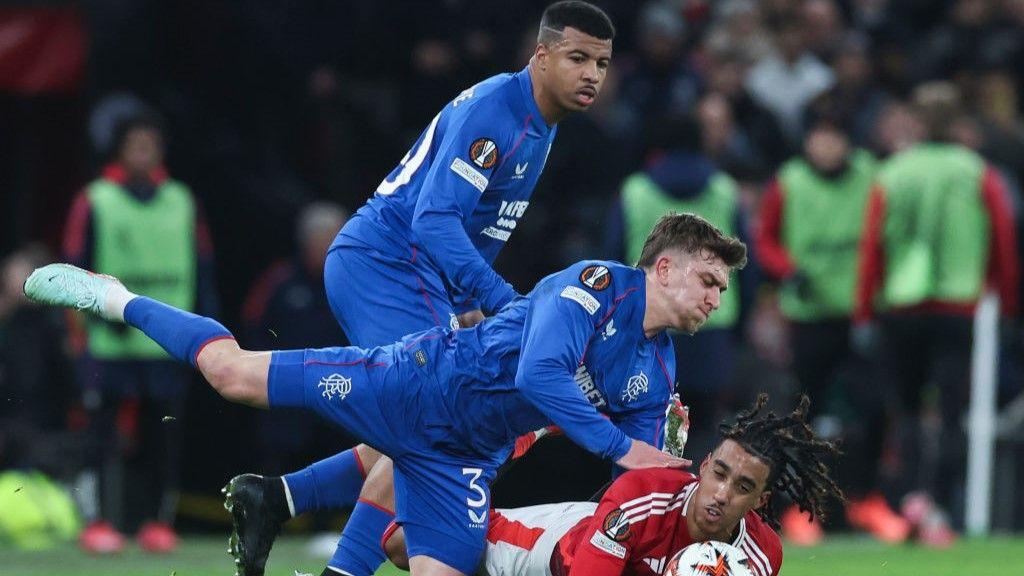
(282,117)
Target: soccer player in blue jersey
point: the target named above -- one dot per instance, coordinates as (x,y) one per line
(419,253)
(585,350)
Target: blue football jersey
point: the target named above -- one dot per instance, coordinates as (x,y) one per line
(572,352)
(458,194)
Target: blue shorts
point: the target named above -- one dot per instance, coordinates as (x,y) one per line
(377,298)
(388,401)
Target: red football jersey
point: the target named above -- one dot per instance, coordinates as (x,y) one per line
(641,523)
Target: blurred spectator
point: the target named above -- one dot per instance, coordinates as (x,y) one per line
(939,226)
(996,108)
(108,113)
(824,25)
(287,309)
(785,82)
(758,124)
(36,388)
(724,142)
(811,220)
(137,223)
(679,177)
(349,129)
(660,80)
(36,391)
(434,70)
(960,43)
(897,129)
(855,96)
(776,9)
(739,29)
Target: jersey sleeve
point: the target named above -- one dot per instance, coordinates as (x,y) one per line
(607,542)
(462,302)
(559,325)
(1004,261)
(871,260)
(775,258)
(466,159)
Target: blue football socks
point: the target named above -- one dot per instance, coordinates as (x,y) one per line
(331,483)
(359,551)
(182,334)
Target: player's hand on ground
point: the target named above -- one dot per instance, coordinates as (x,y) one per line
(470,319)
(643,455)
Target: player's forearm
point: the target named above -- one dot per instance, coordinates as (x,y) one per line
(558,398)
(445,240)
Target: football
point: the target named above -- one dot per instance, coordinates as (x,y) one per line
(708,559)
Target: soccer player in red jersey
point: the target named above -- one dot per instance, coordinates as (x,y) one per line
(648,515)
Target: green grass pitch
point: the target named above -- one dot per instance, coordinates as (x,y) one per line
(846,556)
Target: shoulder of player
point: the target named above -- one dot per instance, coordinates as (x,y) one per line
(762,545)
(485,103)
(597,285)
(639,486)
(607,278)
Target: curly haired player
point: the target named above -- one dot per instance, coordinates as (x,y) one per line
(648,515)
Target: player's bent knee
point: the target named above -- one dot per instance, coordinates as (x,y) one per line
(230,376)
(379,486)
(368,456)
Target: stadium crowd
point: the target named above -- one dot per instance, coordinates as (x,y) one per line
(775,120)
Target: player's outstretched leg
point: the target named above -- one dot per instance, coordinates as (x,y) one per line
(237,375)
(258,508)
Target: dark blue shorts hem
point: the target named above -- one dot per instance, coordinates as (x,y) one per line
(440,546)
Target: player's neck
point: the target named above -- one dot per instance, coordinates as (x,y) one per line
(654,313)
(552,112)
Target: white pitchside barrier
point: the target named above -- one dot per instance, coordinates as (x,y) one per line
(981,418)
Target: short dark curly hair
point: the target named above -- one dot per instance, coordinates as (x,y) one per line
(582,16)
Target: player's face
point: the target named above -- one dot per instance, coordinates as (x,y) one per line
(142,151)
(693,285)
(575,68)
(732,483)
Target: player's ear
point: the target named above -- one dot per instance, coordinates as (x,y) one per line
(662,266)
(762,500)
(540,55)
(704,464)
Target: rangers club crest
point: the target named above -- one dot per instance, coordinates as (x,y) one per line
(335,385)
(636,386)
